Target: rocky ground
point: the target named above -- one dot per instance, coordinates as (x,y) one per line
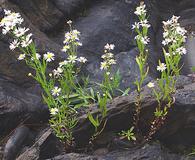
(23,117)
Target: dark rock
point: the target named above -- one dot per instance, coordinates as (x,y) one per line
(15,143)
(45,146)
(121,109)
(19,107)
(147,152)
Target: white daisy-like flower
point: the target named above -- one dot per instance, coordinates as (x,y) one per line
(56,91)
(111,61)
(37,56)
(57,72)
(162,67)
(10,21)
(181,50)
(136,25)
(63,63)
(140,10)
(6,29)
(150,85)
(167,54)
(145,40)
(76,32)
(20,31)
(7,12)
(82,59)
(104,65)
(72,59)
(27,41)
(109,46)
(69,22)
(21,57)
(54,111)
(78,44)
(167,23)
(145,23)
(181,31)
(49,56)
(13,45)
(65,48)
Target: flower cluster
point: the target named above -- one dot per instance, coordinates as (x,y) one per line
(174,38)
(71,38)
(142,26)
(143,39)
(162,67)
(108,57)
(177,34)
(141,10)
(71,60)
(56,91)
(11,24)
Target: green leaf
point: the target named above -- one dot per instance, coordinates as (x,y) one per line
(95,122)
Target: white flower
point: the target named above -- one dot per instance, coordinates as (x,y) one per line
(108,55)
(7,12)
(162,67)
(111,61)
(56,91)
(37,56)
(63,63)
(57,72)
(140,10)
(104,65)
(145,40)
(181,50)
(175,19)
(20,31)
(144,23)
(14,44)
(166,41)
(76,32)
(167,54)
(82,59)
(167,23)
(10,21)
(72,59)
(54,111)
(27,41)
(108,73)
(150,85)
(109,46)
(69,22)
(65,48)
(181,31)
(49,56)
(29,74)
(78,44)
(21,57)
(136,25)
(6,29)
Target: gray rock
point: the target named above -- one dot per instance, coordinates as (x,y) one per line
(121,110)
(19,107)
(15,142)
(147,152)
(45,146)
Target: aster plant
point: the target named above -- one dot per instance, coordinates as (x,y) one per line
(142,40)
(57,86)
(110,83)
(174,37)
